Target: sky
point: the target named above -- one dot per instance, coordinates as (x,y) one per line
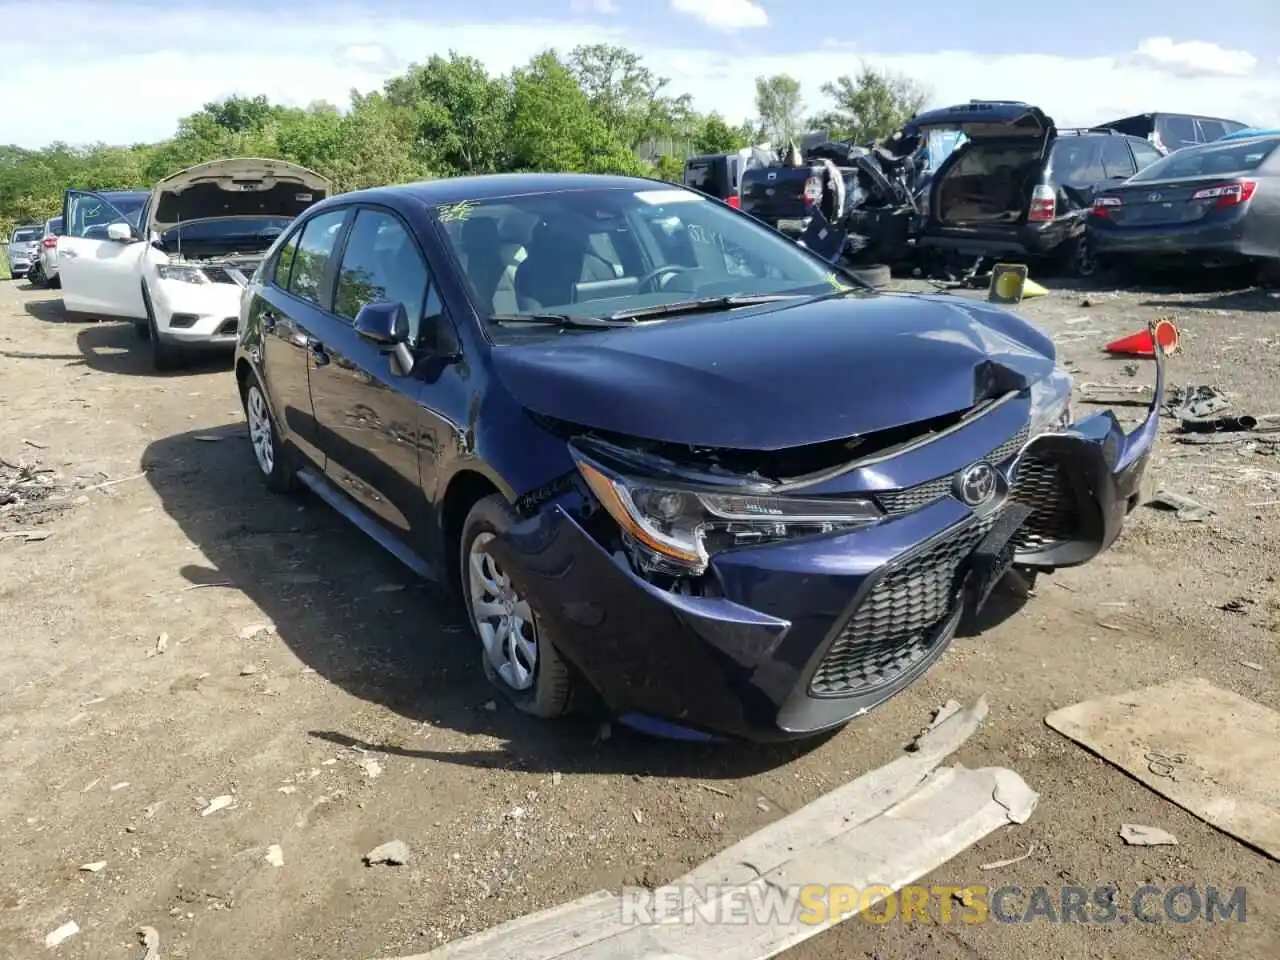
(124,71)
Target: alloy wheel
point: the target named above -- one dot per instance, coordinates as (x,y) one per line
(260,432)
(502,617)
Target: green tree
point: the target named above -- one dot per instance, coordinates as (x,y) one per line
(780,107)
(629,98)
(459,114)
(872,105)
(716,136)
(554,126)
(669,168)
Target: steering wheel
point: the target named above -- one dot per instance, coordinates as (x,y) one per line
(671,269)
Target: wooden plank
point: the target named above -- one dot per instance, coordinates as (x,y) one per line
(1210,751)
(886,828)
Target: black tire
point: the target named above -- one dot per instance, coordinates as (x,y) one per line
(55,283)
(875,275)
(551,693)
(1269,274)
(164,356)
(282,477)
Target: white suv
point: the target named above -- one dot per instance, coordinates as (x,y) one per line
(177,267)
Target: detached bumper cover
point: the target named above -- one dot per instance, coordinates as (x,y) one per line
(812,633)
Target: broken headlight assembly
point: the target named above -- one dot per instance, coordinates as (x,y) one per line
(1050,403)
(674,529)
(181,272)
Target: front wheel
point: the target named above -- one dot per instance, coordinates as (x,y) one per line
(272,456)
(516,652)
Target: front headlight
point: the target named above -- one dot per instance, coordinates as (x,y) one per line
(1051,403)
(678,529)
(181,272)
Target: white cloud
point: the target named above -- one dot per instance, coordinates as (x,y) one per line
(727,15)
(593,6)
(1194,58)
(124,75)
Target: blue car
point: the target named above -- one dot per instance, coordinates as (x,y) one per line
(663,453)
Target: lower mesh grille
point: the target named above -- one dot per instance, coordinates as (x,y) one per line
(898,502)
(1044,487)
(895,628)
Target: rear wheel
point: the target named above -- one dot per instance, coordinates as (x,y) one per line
(516,651)
(273,457)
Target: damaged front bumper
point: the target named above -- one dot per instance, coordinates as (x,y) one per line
(793,638)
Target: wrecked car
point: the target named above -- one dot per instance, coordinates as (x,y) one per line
(665,455)
(1020,188)
(174,260)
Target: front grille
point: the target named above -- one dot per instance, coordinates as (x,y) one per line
(899,502)
(895,628)
(1043,486)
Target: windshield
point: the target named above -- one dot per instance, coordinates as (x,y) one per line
(226,230)
(26,234)
(591,253)
(1213,160)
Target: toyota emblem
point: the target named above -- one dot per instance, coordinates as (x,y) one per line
(976,484)
(1155,197)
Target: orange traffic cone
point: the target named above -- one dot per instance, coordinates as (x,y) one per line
(1143,344)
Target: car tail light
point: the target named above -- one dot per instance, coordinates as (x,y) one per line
(1227,194)
(813,190)
(1044,204)
(1103,206)
(734,201)
(49,242)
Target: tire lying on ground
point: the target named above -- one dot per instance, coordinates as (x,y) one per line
(875,275)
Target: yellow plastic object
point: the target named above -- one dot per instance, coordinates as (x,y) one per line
(1032,289)
(1009,283)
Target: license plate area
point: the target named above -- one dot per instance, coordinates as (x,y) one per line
(993,556)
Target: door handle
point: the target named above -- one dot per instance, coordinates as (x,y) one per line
(317,352)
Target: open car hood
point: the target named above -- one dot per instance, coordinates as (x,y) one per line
(984,118)
(785,377)
(235,187)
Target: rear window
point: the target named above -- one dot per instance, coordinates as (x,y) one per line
(1212,160)
(1211,130)
(54,227)
(26,234)
(709,176)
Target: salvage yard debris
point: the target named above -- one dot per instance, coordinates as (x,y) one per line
(393,852)
(1211,751)
(1137,835)
(1184,507)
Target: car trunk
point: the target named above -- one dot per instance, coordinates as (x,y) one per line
(989,182)
(1163,202)
(776,193)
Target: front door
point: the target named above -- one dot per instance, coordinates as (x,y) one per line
(99,276)
(368,414)
(294,301)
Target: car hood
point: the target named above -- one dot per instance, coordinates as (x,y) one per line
(234,187)
(781,377)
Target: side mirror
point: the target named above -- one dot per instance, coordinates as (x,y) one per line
(385,323)
(120,233)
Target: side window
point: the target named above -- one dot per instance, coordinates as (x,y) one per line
(1144,153)
(1176,132)
(381,262)
(1211,130)
(1117,162)
(311,258)
(284,262)
(1077,160)
(90,215)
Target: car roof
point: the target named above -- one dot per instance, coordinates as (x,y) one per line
(496,186)
(27,226)
(1159,114)
(123,194)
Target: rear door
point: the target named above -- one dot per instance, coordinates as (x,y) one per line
(367,411)
(99,276)
(1177,131)
(291,306)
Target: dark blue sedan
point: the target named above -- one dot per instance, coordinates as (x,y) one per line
(663,452)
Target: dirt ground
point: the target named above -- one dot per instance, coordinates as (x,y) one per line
(361,715)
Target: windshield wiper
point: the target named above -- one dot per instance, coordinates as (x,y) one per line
(558,320)
(702,305)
